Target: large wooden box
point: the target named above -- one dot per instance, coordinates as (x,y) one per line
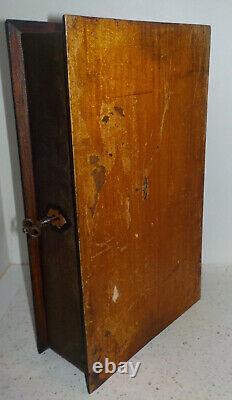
(111,121)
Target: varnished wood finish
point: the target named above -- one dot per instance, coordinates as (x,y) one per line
(44,68)
(138,96)
(15,29)
(132,165)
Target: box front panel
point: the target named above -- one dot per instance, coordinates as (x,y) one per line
(138,94)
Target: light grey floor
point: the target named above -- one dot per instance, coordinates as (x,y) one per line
(190,360)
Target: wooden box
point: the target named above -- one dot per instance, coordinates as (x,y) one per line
(111,121)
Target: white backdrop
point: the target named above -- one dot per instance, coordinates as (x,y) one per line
(217,232)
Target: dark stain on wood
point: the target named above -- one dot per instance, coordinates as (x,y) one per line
(99,177)
(105,119)
(119,110)
(145,189)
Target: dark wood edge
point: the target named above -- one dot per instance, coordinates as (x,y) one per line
(14,31)
(33,26)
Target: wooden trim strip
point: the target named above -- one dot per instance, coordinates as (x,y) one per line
(14,30)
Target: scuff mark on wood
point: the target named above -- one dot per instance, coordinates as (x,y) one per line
(163,119)
(105,242)
(107,248)
(127,213)
(115,295)
(122,249)
(103,247)
(133,94)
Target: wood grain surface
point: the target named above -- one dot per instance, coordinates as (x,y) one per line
(138,98)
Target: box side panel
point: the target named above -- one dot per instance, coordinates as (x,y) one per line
(52,168)
(14,30)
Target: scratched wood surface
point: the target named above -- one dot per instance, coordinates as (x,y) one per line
(138,98)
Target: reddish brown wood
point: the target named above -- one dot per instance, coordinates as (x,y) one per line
(15,30)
